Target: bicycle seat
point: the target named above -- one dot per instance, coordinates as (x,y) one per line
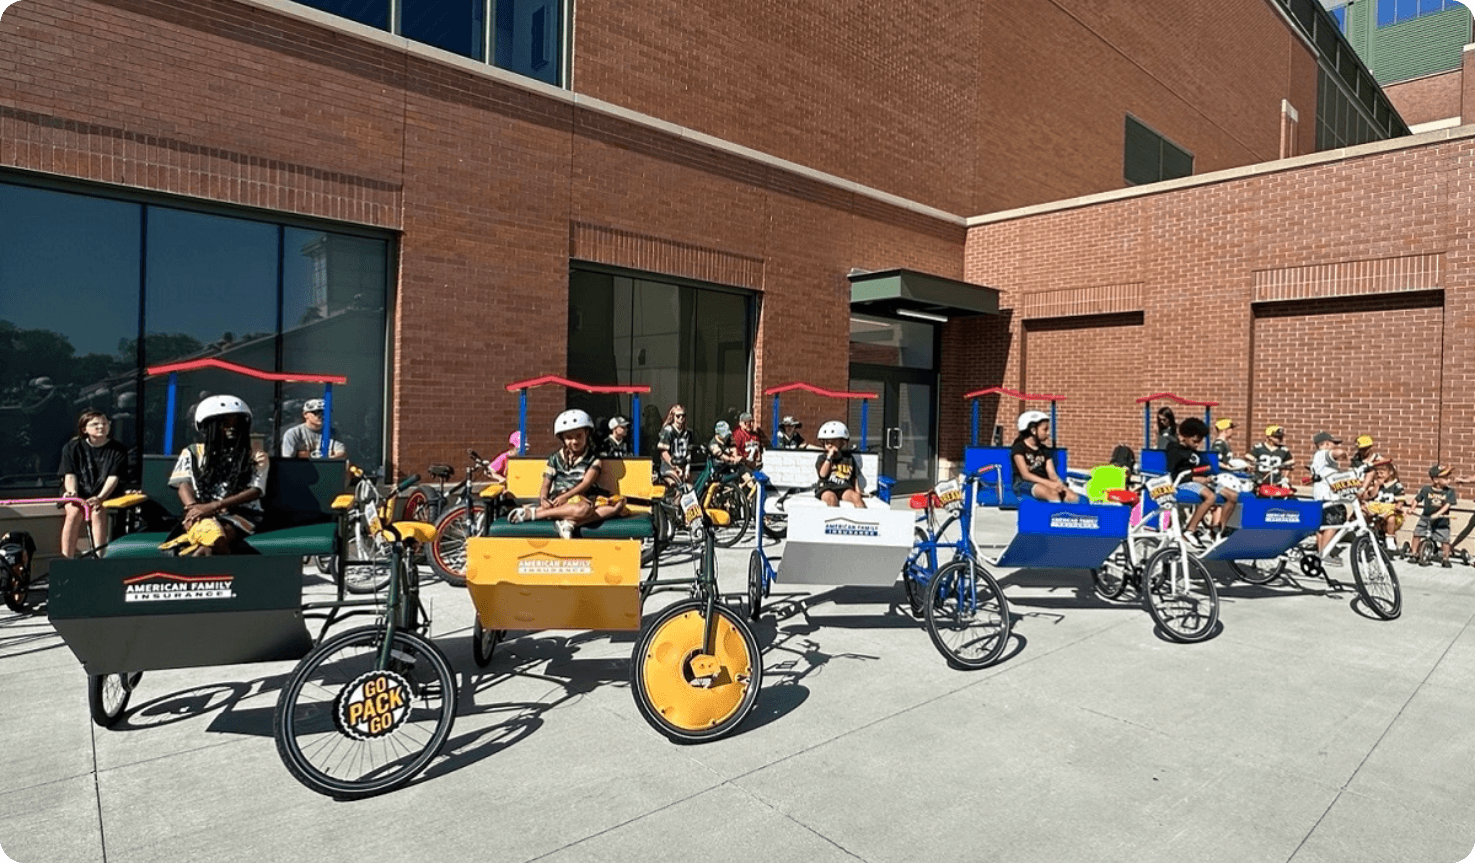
(920,500)
(1274,491)
(440,471)
(1122,495)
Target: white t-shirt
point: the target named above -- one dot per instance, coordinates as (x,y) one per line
(1322,466)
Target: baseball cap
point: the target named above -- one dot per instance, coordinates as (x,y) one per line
(1274,431)
(312,406)
(1438,470)
(1323,437)
(616,422)
(790,421)
(745,416)
(515,439)
(1222,425)
(1380,460)
(1364,441)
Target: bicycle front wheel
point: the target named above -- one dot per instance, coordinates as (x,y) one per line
(348,729)
(448,552)
(367,568)
(967,615)
(1180,595)
(687,691)
(1258,571)
(730,499)
(108,694)
(1377,582)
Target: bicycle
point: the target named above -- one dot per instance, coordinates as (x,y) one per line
(457,524)
(364,566)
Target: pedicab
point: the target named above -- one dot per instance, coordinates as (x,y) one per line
(364,710)
(790,472)
(977,456)
(696,668)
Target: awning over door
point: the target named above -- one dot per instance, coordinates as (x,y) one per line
(891,292)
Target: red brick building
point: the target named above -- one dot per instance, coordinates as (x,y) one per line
(756,151)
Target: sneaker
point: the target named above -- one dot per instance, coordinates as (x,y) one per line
(1334,558)
(1444,562)
(565,528)
(522,514)
(1195,541)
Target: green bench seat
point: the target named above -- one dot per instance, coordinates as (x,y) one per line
(302,541)
(633,527)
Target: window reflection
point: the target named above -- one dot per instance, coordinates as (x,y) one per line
(454,25)
(527,38)
(374,13)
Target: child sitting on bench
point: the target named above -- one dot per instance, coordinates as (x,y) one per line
(571,495)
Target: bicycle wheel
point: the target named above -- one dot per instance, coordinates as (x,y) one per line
(16,586)
(1180,595)
(108,694)
(1258,571)
(967,615)
(911,580)
(448,552)
(348,729)
(755,584)
(366,569)
(1376,580)
(483,642)
(730,499)
(685,693)
(775,518)
(417,506)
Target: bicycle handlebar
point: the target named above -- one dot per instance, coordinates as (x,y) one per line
(405,483)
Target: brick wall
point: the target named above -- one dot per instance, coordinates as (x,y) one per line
(1433,97)
(1336,295)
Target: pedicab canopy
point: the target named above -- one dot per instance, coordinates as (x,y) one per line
(800,386)
(1153,463)
(173,370)
(976,456)
(522,387)
(974,396)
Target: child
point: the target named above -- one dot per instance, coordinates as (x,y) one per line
(1271,458)
(749,441)
(723,449)
(1362,459)
(838,469)
(788,434)
(497,470)
(1227,484)
(92,466)
(571,495)
(1384,494)
(1323,465)
(220,482)
(617,445)
(1182,456)
(1436,499)
(1034,461)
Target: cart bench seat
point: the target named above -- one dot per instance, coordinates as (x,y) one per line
(1266,527)
(302,541)
(1065,535)
(633,527)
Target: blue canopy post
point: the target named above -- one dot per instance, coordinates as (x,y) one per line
(169,413)
(635,411)
(327,420)
(775,421)
(522,422)
(973,441)
(865,412)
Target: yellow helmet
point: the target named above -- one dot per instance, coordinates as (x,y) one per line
(1364,441)
(1223,425)
(1274,431)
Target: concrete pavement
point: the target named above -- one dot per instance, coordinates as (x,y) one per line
(1305,731)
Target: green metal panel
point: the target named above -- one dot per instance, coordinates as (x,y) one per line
(1409,49)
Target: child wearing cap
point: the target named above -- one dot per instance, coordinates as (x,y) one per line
(1323,464)
(748,439)
(617,445)
(1270,457)
(1435,501)
(723,449)
(1363,457)
(788,434)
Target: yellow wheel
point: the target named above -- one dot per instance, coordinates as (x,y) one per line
(687,693)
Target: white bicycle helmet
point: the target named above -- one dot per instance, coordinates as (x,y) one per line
(1029,419)
(832,430)
(570,420)
(216,406)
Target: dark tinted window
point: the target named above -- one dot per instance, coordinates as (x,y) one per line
(528,38)
(1149,157)
(454,25)
(375,13)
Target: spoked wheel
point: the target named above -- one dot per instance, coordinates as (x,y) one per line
(1377,582)
(448,552)
(348,729)
(910,580)
(730,499)
(483,642)
(1180,595)
(16,586)
(1460,556)
(1258,571)
(775,518)
(967,615)
(367,568)
(1426,552)
(686,693)
(108,694)
(417,506)
(1118,572)
(755,584)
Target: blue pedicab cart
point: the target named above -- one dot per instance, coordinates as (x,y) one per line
(364,710)
(977,456)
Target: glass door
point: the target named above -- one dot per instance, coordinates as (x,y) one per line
(901,422)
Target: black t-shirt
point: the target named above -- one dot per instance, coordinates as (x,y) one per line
(616,448)
(94,464)
(1268,461)
(678,443)
(790,441)
(1035,459)
(1180,458)
(1432,499)
(843,472)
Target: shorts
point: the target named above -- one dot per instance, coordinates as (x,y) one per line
(1439,534)
(1023,488)
(819,492)
(1381,509)
(1197,491)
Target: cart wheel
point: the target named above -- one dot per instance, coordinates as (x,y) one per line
(686,694)
(448,552)
(967,615)
(730,499)
(16,586)
(1376,580)
(911,580)
(483,642)
(1180,595)
(347,728)
(108,694)
(755,584)
(1405,550)
(776,519)
(1258,571)
(1462,556)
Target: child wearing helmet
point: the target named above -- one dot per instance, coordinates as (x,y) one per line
(839,472)
(220,481)
(1033,461)
(570,495)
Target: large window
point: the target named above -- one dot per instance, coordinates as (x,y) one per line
(1339,122)
(1149,157)
(693,345)
(93,290)
(1395,11)
(526,36)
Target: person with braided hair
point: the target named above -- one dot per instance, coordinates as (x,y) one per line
(220,481)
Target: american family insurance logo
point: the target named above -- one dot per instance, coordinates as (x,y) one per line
(1282,516)
(1066,521)
(847,527)
(168,587)
(549,564)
